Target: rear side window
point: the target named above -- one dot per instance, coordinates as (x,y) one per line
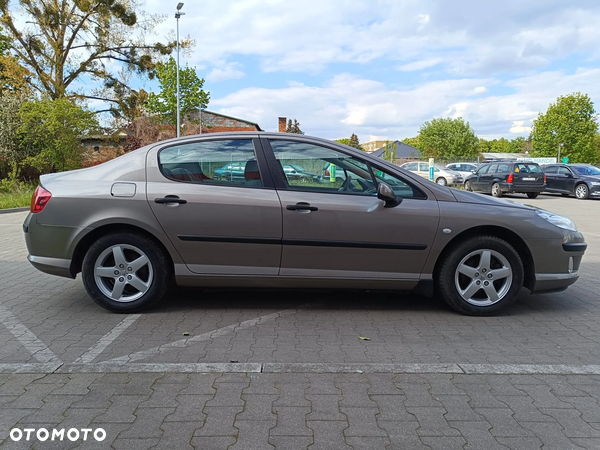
(226,162)
(551,169)
(503,168)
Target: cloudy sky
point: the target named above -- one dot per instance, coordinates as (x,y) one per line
(381,68)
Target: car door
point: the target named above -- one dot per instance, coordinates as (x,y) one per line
(474,180)
(230,225)
(553,179)
(566,180)
(486,178)
(341,229)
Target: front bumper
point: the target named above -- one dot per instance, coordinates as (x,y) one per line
(557,263)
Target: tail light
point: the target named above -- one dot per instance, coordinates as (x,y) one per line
(510,178)
(327,174)
(40,199)
(544,178)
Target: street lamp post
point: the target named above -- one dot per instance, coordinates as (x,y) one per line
(178,14)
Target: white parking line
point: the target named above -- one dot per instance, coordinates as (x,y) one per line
(93,352)
(30,341)
(182,343)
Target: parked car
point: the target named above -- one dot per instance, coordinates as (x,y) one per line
(135,224)
(508,177)
(441,175)
(581,180)
(297,172)
(231,171)
(464,169)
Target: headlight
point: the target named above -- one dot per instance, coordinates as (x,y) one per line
(555,219)
(595,183)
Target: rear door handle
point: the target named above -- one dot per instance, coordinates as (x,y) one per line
(301,206)
(170,199)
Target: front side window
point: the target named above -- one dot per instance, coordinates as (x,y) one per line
(309,167)
(413,167)
(493,168)
(483,170)
(226,162)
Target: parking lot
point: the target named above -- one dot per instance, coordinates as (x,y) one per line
(215,369)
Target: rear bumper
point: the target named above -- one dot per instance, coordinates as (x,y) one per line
(53,266)
(511,187)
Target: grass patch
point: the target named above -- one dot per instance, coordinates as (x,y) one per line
(16,196)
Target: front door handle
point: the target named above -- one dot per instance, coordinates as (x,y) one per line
(170,199)
(301,206)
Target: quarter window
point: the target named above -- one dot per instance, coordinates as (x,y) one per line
(226,162)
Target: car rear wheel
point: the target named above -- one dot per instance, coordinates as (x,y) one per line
(480,276)
(126,272)
(533,194)
(581,191)
(468,186)
(441,181)
(496,190)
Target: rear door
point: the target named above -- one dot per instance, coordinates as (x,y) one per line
(340,229)
(553,179)
(486,179)
(475,179)
(221,224)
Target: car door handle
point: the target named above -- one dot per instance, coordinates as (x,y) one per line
(170,199)
(301,206)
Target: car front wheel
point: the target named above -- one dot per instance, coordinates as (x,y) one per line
(480,276)
(441,181)
(582,192)
(126,272)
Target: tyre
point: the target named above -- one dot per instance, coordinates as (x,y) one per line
(496,190)
(468,186)
(441,181)
(126,272)
(581,191)
(533,194)
(480,276)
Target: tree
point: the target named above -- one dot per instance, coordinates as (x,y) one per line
(389,154)
(192,97)
(517,145)
(413,141)
(50,131)
(293,127)
(60,42)
(484,145)
(501,145)
(13,76)
(448,138)
(11,154)
(570,121)
(352,141)
(345,141)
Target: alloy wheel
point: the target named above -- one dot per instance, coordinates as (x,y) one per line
(581,191)
(483,277)
(123,273)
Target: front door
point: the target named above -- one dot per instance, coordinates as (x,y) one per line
(340,229)
(220,220)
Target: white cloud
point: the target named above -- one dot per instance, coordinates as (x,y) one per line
(420,65)
(227,72)
(348,104)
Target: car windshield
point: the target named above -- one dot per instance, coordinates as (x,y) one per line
(587,170)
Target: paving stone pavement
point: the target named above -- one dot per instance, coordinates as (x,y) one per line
(248,374)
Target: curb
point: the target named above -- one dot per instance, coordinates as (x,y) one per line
(13,210)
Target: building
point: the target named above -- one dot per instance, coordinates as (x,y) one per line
(370,147)
(213,122)
(403,151)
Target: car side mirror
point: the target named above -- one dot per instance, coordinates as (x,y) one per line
(386,193)
(569,175)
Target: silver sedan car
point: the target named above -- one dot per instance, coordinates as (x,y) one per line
(158,215)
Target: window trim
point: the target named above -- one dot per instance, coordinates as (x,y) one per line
(265,173)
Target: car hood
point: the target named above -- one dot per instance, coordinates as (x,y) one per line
(471,197)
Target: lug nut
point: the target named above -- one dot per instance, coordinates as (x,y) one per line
(483,270)
(121,265)
(121,279)
(129,269)
(490,275)
(476,274)
(478,283)
(487,283)
(129,277)
(116,272)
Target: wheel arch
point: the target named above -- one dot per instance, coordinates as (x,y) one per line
(503,233)
(86,242)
